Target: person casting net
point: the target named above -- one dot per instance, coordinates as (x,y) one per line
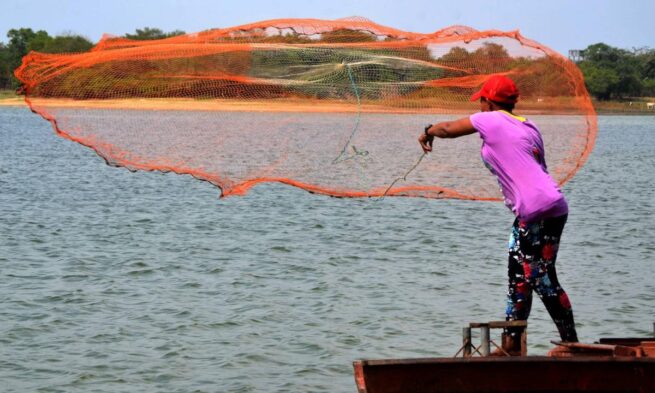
(329,106)
(513,150)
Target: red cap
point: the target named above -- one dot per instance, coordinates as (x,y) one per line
(498,88)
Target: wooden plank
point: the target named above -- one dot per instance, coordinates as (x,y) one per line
(498,324)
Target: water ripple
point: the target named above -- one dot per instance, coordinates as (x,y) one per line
(145,282)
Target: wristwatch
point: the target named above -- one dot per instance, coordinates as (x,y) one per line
(426,129)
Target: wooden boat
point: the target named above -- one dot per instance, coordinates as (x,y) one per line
(611,365)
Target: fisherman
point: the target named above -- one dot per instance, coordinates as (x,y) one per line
(513,150)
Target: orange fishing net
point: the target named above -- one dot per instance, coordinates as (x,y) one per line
(330,106)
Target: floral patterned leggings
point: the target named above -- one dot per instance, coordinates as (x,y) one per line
(532,253)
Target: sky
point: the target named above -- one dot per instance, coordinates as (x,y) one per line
(559,24)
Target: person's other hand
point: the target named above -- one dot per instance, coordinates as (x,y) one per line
(426,142)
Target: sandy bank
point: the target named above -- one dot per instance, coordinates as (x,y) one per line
(275,105)
(285,105)
(13,101)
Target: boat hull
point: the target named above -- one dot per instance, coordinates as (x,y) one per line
(509,374)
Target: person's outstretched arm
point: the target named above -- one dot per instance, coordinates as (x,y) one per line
(446,129)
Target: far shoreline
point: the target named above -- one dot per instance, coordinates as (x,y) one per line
(8,99)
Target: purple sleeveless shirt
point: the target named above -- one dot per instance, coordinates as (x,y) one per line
(513,150)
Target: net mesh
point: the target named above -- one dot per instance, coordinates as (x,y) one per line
(330,106)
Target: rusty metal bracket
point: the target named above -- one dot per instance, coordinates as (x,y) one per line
(484,349)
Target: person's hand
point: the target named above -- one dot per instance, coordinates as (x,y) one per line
(426,141)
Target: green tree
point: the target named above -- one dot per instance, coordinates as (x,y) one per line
(601,81)
(149,33)
(456,56)
(649,88)
(24,40)
(491,58)
(39,41)
(646,57)
(611,72)
(21,41)
(487,59)
(5,68)
(67,44)
(603,54)
(649,66)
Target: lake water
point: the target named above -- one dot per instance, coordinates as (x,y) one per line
(147,282)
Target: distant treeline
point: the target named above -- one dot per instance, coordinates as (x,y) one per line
(614,73)
(610,73)
(24,40)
